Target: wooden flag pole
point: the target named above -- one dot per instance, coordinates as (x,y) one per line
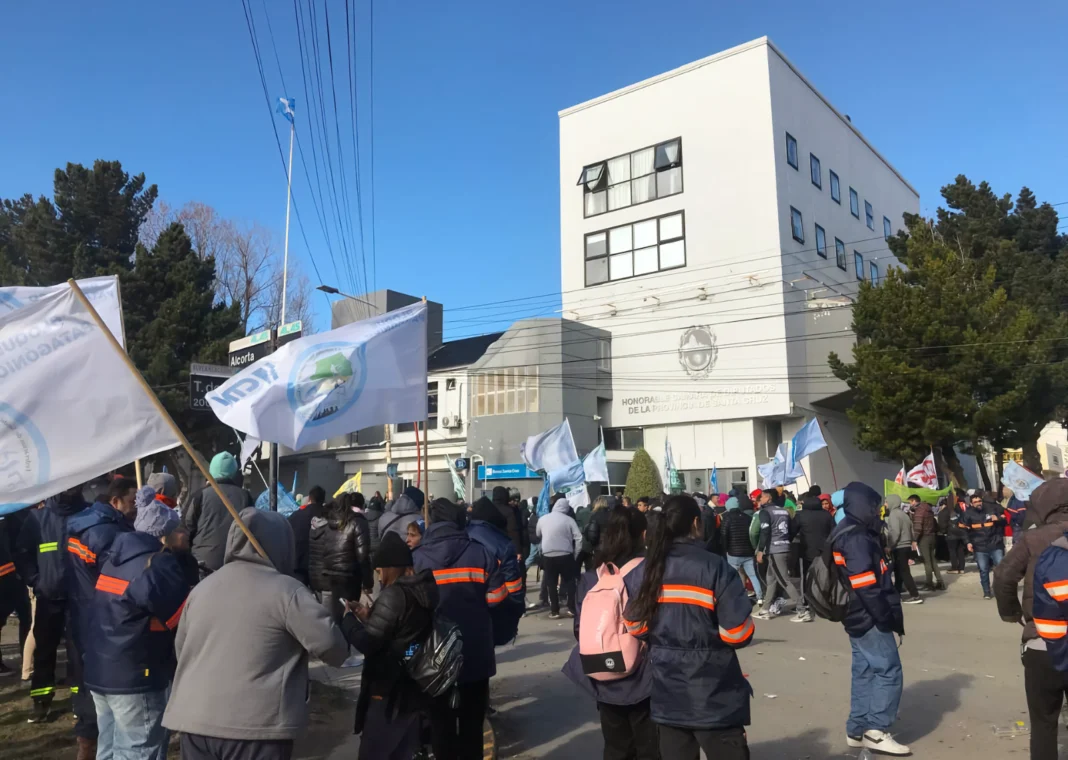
(167,418)
(426,452)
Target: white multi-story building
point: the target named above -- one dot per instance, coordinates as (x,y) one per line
(723,216)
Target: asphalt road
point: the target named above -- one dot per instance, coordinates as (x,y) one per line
(962,678)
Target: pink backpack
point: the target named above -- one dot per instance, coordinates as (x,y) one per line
(607,651)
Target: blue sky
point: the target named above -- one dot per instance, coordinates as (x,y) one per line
(466,101)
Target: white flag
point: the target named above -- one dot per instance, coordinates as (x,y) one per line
(248,449)
(362,374)
(925,474)
(102,292)
(70,409)
(595,465)
(550,451)
(1020,479)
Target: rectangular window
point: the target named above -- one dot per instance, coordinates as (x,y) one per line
(431,412)
(840,255)
(503,391)
(604,355)
(633,178)
(821,241)
(797,225)
(873,272)
(854,203)
(632,250)
(836,189)
(791,150)
(815,171)
(869,216)
(624,439)
(886,229)
(858,264)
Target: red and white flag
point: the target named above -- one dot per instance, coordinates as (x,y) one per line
(924,474)
(900,479)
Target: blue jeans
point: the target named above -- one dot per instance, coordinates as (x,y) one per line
(987,560)
(131,726)
(749,565)
(877,681)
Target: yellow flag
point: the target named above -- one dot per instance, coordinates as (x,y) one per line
(352,485)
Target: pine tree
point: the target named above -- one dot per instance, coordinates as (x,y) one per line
(643,479)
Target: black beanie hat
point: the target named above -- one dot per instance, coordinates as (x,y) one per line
(392,552)
(415,495)
(443,510)
(484,509)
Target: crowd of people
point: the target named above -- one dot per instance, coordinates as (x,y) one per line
(175,621)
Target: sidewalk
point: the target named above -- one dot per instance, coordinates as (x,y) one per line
(349,680)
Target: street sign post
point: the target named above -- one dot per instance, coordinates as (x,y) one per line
(203,379)
(252,348)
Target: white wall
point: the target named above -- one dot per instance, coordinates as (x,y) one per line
(725,445)
(841,462)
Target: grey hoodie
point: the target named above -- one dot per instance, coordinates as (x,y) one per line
(559,533)
(244,640)
(898,524)
(402,512)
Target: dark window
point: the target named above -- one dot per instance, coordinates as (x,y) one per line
(887,232)
(624,439)
(772,436)
(632,178)
(431,412)
(858,264)
(873,271)
(821,241)
(815,171)
(869,216)
(840,255)
(633,250)
(836,189)
(854,203)
(797,225)
(791,150)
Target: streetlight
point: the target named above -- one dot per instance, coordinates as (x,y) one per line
(335,292)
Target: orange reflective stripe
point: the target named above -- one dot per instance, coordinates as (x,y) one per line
(882,566)
(172,621)
(635,629)
(988,525)
(497,595)
(1057,589)
(155,625)
(739,634)
(838,558)
(112,585)
(860,580)
(80,550)
(460,575)
(7,569)
(513,586)
(695,595)
(1051,629)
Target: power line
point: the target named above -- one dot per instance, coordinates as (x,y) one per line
(374,224)
(350,43)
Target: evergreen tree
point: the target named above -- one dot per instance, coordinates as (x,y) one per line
(643,479)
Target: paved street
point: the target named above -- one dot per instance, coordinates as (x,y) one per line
(962,677)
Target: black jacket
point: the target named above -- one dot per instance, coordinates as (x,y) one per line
(813,525)
(948,520)
(597,523)
(984,527)
(339,553)
(208,522)
(374,511)
(710,527)
(41,549)
(402,614)
(735,530)
(300,521)
(514,527)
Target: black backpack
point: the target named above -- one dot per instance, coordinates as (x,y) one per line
(435,662)
(827,596)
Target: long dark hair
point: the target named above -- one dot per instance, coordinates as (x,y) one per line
(620,537)
(676,521)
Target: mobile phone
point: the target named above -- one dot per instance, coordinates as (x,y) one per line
(344,602)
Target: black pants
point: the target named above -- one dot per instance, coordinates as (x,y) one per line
(15,598)
(563,570)
(456,733)
(957,549)
(930,562)
(687,743)
(1045,688)
(629,732)
(902,571)
(386,737)
(51,625)
(197,747)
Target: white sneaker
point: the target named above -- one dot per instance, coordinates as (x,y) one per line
(880,741)
(856,742)
(764,615)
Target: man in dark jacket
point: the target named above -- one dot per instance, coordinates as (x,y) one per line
(13,595)
(1045,681)
(984,522)
(40,559)
(925,533)
(1015,512)
(774,543)
(129,661)
(469,585)
(207,520)
(812,525)
(710,525)
(375,509)
(510,513)
(873,618)
(300,521)
(339,555)
(735,528)
(487,527)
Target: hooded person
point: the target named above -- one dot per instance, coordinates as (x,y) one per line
(406,508)
(561,543)
(900,543)
(207,520)
(487,527)
(165,487)
(737,520)
(246,635)
(300,521)
(339,554)
(373,513)
(502,501)
(811,525)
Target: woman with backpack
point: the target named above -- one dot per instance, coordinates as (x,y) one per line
(692,611)
(622,697)
(392,709)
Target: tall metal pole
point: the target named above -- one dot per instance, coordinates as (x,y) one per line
(285,255)
(272,464)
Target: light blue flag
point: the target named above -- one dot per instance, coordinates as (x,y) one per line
(544,498)
(287,505)
(564,479)
(288,108)
(808,440)
(595,464)
(713,481)
(550,451)
(779,472)
(1020,479)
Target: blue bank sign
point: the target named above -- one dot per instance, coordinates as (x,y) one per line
(505,472)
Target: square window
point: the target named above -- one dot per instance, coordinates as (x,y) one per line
(858,264)
(619,239)
(596,203)
(840,255)
(671,227)
(797,225)
(821,241)
(854,203)
(791,150)
(619,196)
(620,266)
(669,182)
(873,272)
(668,154)
(596,271)
(592,176)
(886,229)
(673,254)
(869,216)
(645,260)
(641,162)
(815,171)
(836,189)
(618,170)
(643,189)
(596,245)
(645,234)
